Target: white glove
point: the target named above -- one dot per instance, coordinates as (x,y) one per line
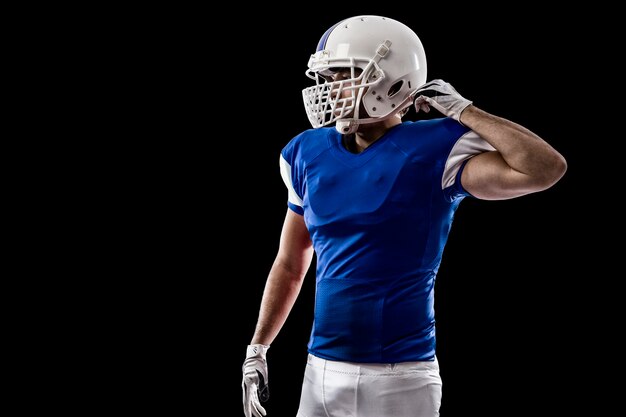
(254,384)
(442,96)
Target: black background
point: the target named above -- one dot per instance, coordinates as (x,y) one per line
(514,312)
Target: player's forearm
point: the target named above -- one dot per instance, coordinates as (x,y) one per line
(281,291)
(522,150)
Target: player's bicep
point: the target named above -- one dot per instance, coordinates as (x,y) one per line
(487,176)
(296,249)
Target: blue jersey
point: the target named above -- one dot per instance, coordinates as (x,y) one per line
(379,221)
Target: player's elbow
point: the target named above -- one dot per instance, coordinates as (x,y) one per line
(551,172)
(293,266)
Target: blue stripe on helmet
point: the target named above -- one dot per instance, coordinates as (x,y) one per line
(322,43)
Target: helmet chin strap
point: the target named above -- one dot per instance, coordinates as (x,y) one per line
(349,126)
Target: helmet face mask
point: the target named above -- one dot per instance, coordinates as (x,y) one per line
(329,99)
(392,65)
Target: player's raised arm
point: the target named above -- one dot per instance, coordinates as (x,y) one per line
(522,163)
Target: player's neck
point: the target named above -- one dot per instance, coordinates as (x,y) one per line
(370,133)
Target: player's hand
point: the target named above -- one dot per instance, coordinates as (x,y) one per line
(443,97)
(254,384)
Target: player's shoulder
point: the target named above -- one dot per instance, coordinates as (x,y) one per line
(308,144)
(435,128)
(429,136)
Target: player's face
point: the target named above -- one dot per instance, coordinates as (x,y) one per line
(348,91)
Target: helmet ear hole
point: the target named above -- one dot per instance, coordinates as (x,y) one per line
(395,88)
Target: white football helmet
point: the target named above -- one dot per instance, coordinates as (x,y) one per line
(392,66)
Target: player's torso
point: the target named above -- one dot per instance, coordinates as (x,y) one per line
(386,201)
(378,221)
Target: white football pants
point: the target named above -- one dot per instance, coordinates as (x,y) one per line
(346,389)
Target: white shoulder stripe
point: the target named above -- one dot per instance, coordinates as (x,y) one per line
(466,146)
(285,172)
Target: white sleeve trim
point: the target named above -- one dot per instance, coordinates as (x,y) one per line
(466,146)
(285,172)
